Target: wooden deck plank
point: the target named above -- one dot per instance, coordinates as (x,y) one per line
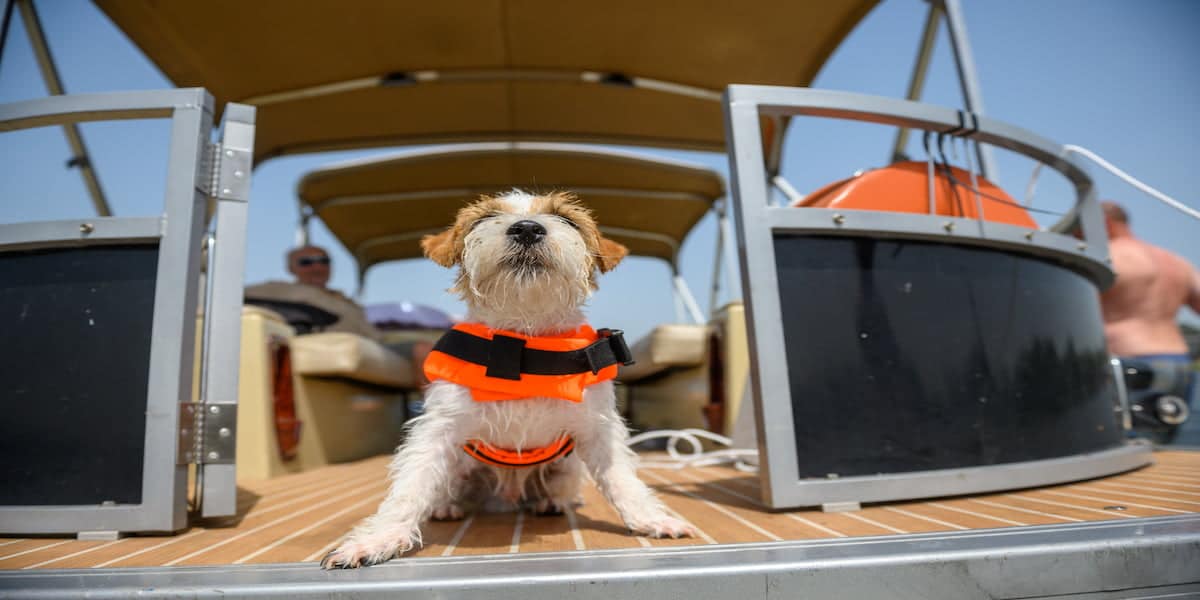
(298,517)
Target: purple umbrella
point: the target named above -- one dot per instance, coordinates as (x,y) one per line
(406,315)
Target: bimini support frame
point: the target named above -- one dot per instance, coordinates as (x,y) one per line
(964,62)
(41,50)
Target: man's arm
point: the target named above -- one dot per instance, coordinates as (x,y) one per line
(1193,299)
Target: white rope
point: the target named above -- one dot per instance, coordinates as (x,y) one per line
(696,457)
(1126,177)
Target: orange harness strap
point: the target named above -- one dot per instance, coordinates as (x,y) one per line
(518,459)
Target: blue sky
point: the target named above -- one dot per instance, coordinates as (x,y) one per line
(1121,78)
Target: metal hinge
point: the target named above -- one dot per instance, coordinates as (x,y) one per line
(207,433)
(229,173)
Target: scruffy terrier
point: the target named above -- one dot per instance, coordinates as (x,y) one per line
(521,399)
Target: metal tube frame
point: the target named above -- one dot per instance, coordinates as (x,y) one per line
(964,61)
(216,473)
(757,223)
(178,233)
(81,158)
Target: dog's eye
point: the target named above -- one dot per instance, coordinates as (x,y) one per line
(481,220)
(568,221)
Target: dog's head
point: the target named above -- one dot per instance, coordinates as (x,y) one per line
(518,252)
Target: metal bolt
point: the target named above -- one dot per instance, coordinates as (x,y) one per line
(238,174)
(224,432)
(185,432)
(216,410)
(949,226)
(1029,235)
(1115,507)
(86,228)
(839,219)
(229,153)
(1082,245)
(226,191)
(213,456)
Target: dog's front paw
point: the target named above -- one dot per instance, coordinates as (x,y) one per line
(664,526)
(548,507)
(353,554)
(448,512)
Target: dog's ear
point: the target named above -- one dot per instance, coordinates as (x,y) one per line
(610,254)
(442,248)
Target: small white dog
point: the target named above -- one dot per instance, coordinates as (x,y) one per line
(507,416)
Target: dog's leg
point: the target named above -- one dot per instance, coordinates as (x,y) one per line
(614,467)
(458,485)
(558,486)
(421,481)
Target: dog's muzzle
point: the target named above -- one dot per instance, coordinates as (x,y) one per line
(526,233)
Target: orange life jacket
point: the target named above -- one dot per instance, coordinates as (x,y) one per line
(441,365)
(504,365)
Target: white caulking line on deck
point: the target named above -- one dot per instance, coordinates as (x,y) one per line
(974,514)
(1025,510)
(716,486)
(326,490)
(74,554)
(708,539)
(163,544)
(1169,467)
(458,535)
(1164,480)
(873,522)
(299,488)
(267,525)
(815,525)
(575,535)
(1178,469)
(515,546)
(48,546)
(1143,487)
(13,541)
(1114,501)
(305,530)
(1108,513)
(753,501)
(925,518)
(322,552)
(719,509)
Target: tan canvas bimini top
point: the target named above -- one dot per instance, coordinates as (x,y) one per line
(379,208)
(336,75)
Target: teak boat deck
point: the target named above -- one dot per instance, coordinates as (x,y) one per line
(298,518)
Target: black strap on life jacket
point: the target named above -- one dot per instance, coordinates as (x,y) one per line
(507,357)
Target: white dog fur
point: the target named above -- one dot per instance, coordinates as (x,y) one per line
(533,290)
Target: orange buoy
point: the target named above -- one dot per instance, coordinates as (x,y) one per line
(904,187)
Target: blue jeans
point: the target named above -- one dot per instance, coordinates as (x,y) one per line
(1173,373)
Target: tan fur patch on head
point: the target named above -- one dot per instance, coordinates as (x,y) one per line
(605,252)
(446,248)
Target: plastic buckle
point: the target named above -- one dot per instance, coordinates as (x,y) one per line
(616,341)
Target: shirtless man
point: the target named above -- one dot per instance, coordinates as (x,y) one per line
(1140,308)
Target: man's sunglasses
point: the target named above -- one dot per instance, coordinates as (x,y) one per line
(308,261)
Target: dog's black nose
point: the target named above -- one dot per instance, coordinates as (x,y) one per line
(526,233)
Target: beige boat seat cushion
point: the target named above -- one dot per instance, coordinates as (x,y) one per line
(667,347)
(337,354)
(351,316)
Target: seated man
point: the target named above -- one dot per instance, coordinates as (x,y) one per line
(1140,308)
(311,267)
